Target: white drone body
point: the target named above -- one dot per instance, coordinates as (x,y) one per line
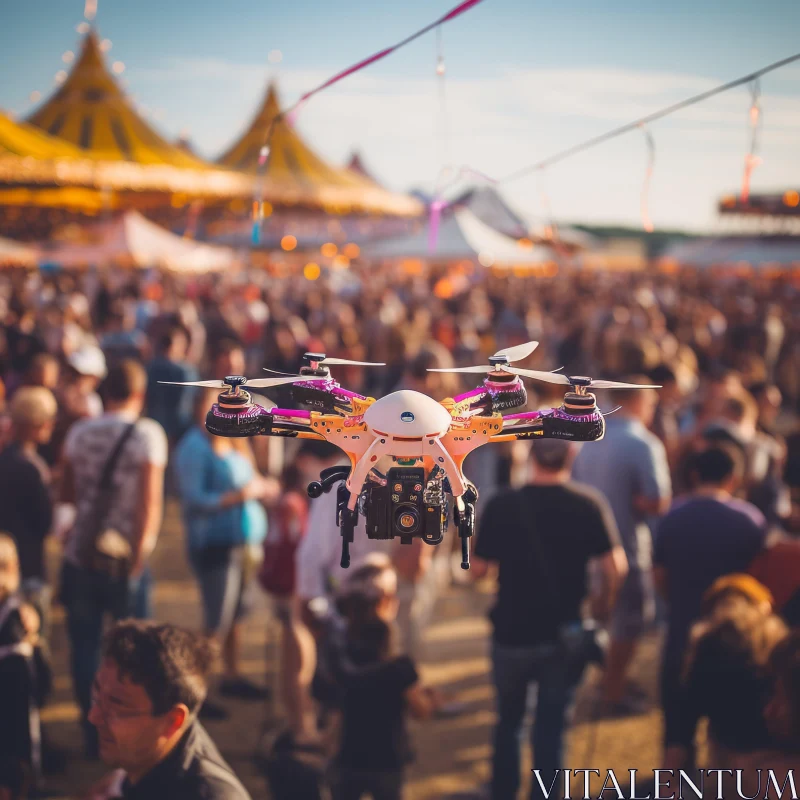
(406,424)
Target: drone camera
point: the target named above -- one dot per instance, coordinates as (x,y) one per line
(405,506)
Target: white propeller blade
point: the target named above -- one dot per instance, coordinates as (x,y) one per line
(617,385)
(487,368)
(548,377)
(265,383)
(202,384)
(348,362)
(518,352)
(515,353)
(287,374)
(259,383)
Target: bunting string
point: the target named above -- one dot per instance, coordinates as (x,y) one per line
(751,160)
(647,223)
(660,114)
(290,114)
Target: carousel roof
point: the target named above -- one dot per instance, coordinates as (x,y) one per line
(91,111)
(296,175)
(87,134)
(18,139)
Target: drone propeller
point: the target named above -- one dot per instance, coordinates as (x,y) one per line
(500,360)
(348,362)
(577,380)
(233,381)
(320,359)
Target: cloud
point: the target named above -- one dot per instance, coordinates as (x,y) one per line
(500,121)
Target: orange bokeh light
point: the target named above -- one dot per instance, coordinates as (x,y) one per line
(329,249)
(525,244)
(311,271)
(289,242)
(412,266)
(791,198)
(351,250)
(443,289)
(341,262)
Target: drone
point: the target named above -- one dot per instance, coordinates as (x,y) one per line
(424,441)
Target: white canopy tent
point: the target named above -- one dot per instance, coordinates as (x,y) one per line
(461,235)
(497,249)
(133,241)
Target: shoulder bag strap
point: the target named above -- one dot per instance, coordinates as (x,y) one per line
(102,500)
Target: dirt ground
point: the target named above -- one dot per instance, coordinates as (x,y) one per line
(452,754)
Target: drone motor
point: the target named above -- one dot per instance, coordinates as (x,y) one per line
(580,404)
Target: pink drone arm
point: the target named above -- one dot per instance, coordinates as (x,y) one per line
(467,395)
(528,415)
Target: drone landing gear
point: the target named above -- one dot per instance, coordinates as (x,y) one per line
(345,518)
(465,520)
(347,524)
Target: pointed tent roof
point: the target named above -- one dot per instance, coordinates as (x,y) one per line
(25,141)
(91,111)
(356,164)
(488,205)
(296,175)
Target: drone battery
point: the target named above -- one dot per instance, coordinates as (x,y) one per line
(434,524)
(379,510)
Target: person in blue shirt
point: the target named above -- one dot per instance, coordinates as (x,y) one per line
(630,468)
(221,492)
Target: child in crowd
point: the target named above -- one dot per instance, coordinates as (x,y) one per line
(376,690)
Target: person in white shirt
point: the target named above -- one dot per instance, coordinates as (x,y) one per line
(115,530)
(318,574)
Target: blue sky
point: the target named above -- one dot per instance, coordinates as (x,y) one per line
(524,79)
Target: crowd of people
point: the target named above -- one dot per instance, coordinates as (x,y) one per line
(684,517)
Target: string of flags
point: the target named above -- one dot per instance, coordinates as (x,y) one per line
(290,114)
(751,160)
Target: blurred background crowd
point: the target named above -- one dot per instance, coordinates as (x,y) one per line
(723,425)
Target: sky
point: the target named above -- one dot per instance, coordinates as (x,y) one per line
(524,79)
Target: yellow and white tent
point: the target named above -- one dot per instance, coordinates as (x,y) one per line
(90,111)
(88,134)
(295,175)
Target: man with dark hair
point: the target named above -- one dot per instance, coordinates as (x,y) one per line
(171,406)
(703,537)
(117,487)
(542,538)
(151,683)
